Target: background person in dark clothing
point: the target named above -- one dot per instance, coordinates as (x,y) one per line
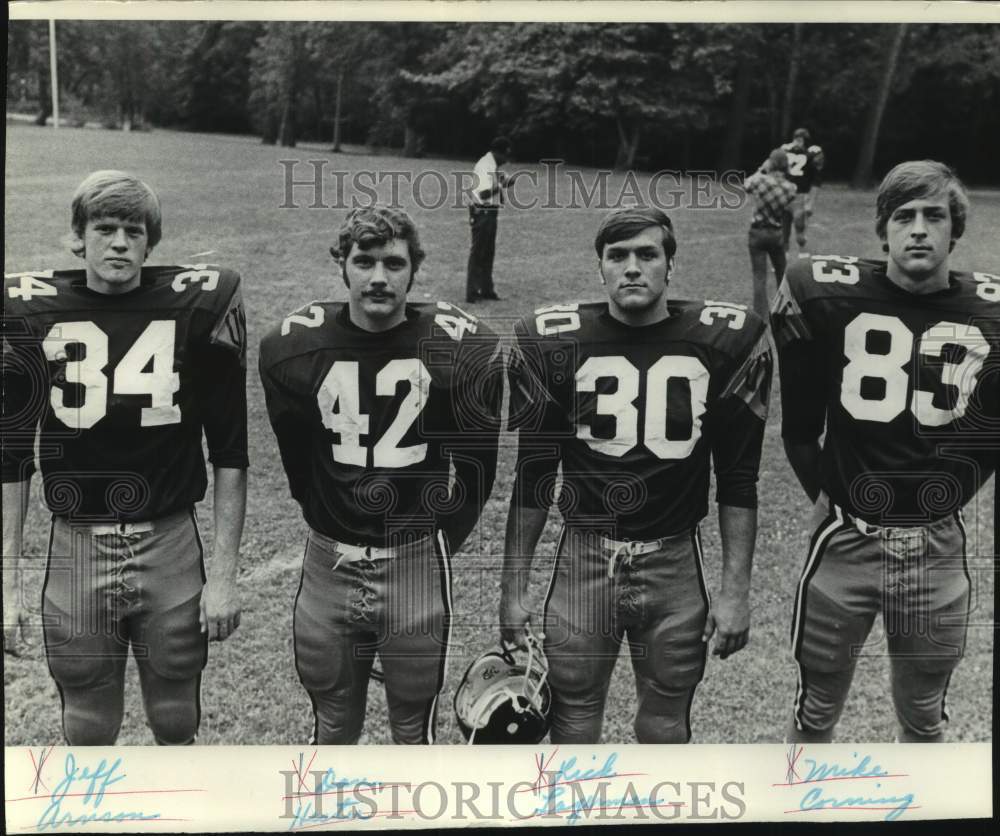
(486,197)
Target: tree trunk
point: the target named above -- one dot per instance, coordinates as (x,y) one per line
(794,60)
(863,170)
(628,145)
(732,151)
(44,98)
(336,111)
(411,141)
(270,132)
(773,116)
(286,132)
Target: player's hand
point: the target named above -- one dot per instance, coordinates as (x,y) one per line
(15,624)
(729,621)
(514,620)
(220,609)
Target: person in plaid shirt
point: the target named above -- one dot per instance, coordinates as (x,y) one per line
(772,194)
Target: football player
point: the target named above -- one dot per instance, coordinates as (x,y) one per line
(805,170)
(371,402)
(633,397)
(119,369)
(898,361)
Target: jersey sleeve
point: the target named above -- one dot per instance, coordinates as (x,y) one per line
(536,412)
(223,378)
(23,374)
(801,362)
(292,428)
(736,423)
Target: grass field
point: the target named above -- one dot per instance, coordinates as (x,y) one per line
(222,195)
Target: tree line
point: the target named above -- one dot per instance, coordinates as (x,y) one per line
(648,95)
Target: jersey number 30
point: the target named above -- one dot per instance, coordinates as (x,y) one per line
(886,368)
(620,404)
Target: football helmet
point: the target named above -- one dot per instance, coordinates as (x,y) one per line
(504,696)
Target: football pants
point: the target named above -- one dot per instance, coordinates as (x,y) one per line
(918,579)
(348,611)
(658,601)
(111,587)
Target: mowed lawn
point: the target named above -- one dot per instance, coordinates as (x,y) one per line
(221,195)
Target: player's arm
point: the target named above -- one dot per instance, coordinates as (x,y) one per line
(729,618)
(21,406)
(524,528)
(478,391)
(220,602)
(223,382)
(801,366)
(538,419)
(15,509)
(736,424)
(804,457)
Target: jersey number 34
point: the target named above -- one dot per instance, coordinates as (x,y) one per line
(147,368)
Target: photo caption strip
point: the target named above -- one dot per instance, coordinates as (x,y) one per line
(292,789)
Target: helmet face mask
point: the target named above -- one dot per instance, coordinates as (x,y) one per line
(504,696)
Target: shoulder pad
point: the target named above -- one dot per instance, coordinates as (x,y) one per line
(730,327)
(446,319)
(828,275)
(298,331)
(19,289)
(207,279)
(985,285)
(555,321)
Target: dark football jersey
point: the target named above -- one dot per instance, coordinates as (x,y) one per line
(907,385)
(634,414)
(805,166)
(121,387)
(367,423)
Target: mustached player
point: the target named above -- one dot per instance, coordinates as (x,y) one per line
(372,402)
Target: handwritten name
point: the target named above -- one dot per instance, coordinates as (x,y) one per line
(553,784)
(823,771)
(815,771)
(815,799)
(86,786)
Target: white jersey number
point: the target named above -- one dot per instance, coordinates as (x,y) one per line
(557,319)
(340,408)
(843,271)
(621,404)
(196,274)
(796,163)
(31,285)
(154,348)
(988,287)
(313,319)
(884,362)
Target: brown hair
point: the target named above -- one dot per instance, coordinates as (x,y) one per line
(918,179)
